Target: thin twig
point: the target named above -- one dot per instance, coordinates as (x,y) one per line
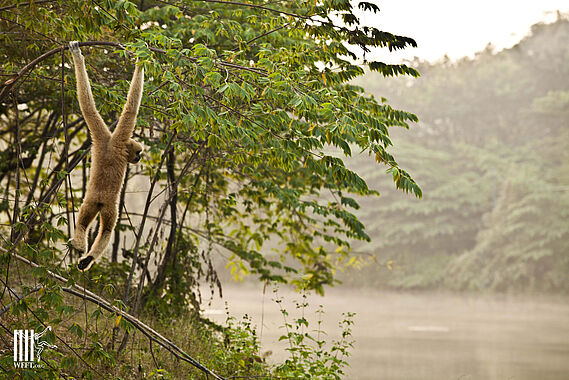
(8,7)
(15,216)
(68,188)
(152,353)
(7,85)
(236,3)
(267,33)
(19,298)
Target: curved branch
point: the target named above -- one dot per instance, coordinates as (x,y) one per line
(149,332)
(7,85)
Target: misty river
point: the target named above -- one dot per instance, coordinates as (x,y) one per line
(421,335)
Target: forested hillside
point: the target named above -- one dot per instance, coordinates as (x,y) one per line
(491,155)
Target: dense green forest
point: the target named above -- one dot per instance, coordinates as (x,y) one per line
(492,156)
(243,105)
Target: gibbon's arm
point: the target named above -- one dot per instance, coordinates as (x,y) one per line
(127,121)
(97,126)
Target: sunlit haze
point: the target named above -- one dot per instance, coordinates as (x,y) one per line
(458,28)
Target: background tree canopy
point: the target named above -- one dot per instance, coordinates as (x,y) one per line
(491,156)
(246,115)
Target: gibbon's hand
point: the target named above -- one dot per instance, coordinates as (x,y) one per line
(74,47)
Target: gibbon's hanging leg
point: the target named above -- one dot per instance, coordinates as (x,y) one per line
(111,153)
(108,215)
(87,213)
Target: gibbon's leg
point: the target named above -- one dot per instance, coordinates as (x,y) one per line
(98,128)
(108,217)
(87,213)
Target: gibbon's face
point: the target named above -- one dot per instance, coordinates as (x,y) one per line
(133,150)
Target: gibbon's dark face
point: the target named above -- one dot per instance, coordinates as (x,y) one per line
(133,150)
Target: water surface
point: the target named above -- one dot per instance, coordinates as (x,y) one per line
(424,336)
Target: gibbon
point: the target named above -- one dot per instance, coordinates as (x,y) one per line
(111,152)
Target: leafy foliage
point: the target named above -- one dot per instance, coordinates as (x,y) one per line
(310,358)
(247,117)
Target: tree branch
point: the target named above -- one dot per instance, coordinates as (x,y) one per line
(8,7)
(44,325)
(7,85)
(244,5)
(87,295)
(267,33)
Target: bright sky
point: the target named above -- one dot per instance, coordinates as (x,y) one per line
(458,28)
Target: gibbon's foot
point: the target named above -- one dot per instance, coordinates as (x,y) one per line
(74,47)
(86,262)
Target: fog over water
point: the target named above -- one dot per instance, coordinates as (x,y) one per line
(423,335)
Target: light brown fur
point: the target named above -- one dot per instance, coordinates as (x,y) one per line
(111,154)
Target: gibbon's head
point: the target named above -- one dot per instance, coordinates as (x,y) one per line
(133,150)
